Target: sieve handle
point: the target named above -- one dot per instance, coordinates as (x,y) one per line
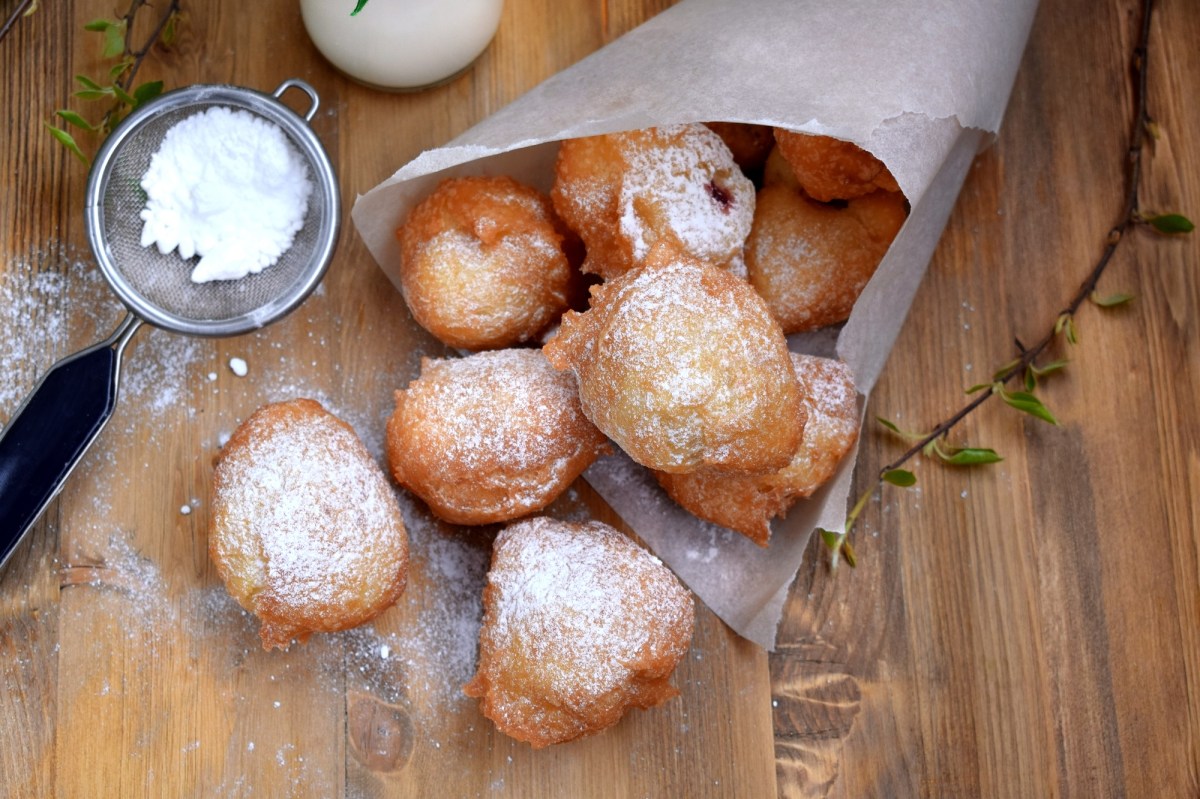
(296,83)
(53,428)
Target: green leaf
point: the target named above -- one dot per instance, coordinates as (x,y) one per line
(94,94)
(889,425)
(170,31)
(905,434)
(1028,403)
(1030,378)
(119,68)
(99,25)
(147,91)
(979,387)
(829,537)
(1112,300)
(1053,366)
(123,95)
(1171,223)
(114,41)
(970,456)
(899,477)
(1000,373)
(75,119)
(359,7)
(839,548)
(67,140)
(1066,323)
(86,82)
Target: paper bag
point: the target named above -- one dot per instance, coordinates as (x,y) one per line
(920,85)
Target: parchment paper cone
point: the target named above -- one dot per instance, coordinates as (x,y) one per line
(922,85)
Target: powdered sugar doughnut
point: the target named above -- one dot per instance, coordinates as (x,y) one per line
(625,193)
(485,263)
(305,530)
(832,169)
(579,625)
(490,437)
(810,261)
(747,503)
(682,365)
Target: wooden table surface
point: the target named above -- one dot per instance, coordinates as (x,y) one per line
(1028,629)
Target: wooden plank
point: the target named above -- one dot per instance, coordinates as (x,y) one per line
(1024,630)
(1029,629)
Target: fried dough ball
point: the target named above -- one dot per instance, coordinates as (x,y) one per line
(681,364)
(747,503)
(579,625)
(832,169)
(810,261)
(777,171)
(624,193)
(490,437)
(485,263)
(749,144)
(305,530)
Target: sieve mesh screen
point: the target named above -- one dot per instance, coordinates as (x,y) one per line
(163,282)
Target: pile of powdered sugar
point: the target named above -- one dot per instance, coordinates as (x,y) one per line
(228,186)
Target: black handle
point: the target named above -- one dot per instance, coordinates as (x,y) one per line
(52,430)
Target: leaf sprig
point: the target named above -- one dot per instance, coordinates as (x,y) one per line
(117,89)
(1026,365)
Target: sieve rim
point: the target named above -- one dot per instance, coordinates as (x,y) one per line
(298,132)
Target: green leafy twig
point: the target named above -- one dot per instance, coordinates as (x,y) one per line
(118,88)
(1026,365)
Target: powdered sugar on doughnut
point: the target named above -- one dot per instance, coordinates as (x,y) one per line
(577,618)
(491,436)
(698,194)
(682,365)
(298,496)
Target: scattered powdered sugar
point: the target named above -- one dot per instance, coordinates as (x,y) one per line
(228,186)
(238,366)
(54,302)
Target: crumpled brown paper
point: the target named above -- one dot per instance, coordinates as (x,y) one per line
(921,85)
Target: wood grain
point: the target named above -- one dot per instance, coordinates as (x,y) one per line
(1030,629)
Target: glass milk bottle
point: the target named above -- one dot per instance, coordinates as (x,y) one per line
(401,44)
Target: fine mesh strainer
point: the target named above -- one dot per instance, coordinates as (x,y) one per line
(59,420)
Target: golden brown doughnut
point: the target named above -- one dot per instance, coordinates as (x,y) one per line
(749,144)
(682,365)
(484,263)
(305,530)
(490,437)
(676,186)
(579,625)
(747,503)
(832,169)
(778,171)
(810,261)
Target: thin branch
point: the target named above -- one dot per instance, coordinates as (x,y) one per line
(12,19)
(1029,355)
(139,53)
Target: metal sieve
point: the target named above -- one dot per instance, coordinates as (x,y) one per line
(58,421)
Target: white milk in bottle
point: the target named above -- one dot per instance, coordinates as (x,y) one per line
(401,44)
